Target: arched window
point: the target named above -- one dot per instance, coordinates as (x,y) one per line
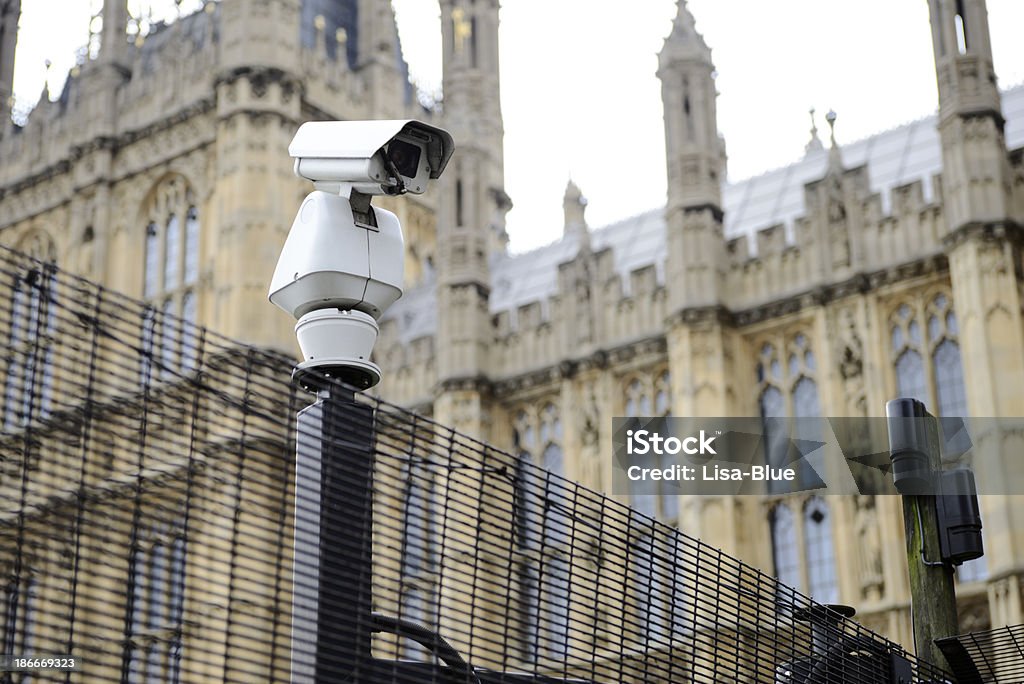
(787,392)
(925,352)
(801,536)
(784,545)
(20,615)
(171,272)
(156,585)
(543,528)
(28,389)
(651,497)
(819,554)
(420,554)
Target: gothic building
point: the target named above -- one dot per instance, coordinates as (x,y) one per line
(891,266)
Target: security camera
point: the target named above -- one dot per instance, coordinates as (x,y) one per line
(341,266)
(371,157)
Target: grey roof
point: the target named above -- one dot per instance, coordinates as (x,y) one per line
(416,312)
(896,157)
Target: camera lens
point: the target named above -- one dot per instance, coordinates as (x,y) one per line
(405,156)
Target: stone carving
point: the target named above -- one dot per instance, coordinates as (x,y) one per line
(851,349)
(869,550)
(589,418)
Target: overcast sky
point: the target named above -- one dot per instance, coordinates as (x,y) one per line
(580,97)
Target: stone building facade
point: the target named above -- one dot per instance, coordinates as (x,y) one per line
(891,266)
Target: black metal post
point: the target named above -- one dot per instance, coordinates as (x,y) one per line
(331,614)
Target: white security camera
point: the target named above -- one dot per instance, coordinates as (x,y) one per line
(371,157)
(341,266)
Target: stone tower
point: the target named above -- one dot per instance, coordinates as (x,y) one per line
(258,108)
(699,339)
(10,12)
(177,141)
(693,218)
(983,241)
(471,212)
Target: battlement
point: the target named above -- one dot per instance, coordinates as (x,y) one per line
(834,240)
(169,79)
(185,68)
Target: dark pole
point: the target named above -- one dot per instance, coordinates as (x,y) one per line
(331,613)
(916,454)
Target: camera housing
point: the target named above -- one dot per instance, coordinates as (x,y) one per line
(371,157)
(342,264)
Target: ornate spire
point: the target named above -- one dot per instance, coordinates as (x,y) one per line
(814,145)
(113,44)
(684,42)
(10,13)
(574,204)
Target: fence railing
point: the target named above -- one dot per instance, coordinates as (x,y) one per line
(154,525)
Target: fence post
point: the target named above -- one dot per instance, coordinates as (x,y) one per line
(914,432)
(331,611)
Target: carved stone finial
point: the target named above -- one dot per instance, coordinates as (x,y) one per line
(574,205)
(835,158)
(814,144)
(831,118)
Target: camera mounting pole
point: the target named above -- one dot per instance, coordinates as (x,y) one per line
(332,586)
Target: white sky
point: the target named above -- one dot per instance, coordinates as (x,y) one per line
(580,98)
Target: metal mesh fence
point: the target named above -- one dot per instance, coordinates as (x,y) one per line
(991,657)
(165,517)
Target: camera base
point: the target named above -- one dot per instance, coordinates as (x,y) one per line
(315,376)
(336,344)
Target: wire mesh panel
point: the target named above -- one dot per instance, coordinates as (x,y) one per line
(174,509)
(992,657)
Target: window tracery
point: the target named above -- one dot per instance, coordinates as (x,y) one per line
(171,275)
(658,587)
(28,389)
(650,396)
(785,392)
(800,526)
(925,348)
(542,529)
(420,552)
(802,547)
(157,594)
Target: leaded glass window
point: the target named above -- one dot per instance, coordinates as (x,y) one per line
(156,584)
(651,497)
(787,391)
(420,552)
(819,553)
(554,635)
(925,350)
(19,617)
(543,528)
(800,527)
(172,271)
(28,389)
(658,588)
(784,545)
